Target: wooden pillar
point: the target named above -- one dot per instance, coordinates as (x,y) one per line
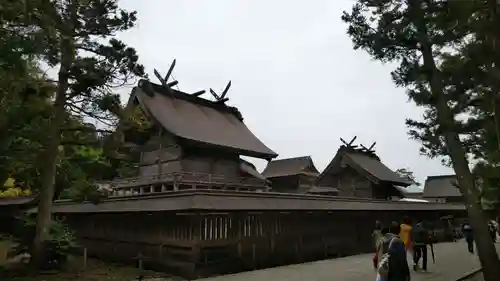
(270,223)
(195,228)
(353,186)
(297,224)
(238,231)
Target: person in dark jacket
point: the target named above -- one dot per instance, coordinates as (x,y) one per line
(498,225)
(398,264)
(469,236)
(420,240)
(493,231)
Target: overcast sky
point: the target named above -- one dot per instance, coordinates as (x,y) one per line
(295,77)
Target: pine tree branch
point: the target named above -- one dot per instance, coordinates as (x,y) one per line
(79,111)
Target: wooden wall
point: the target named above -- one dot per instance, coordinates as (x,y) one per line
(160,154)
(292,184)
(350,183)
(203,244)
(285,184)
(211,161)
(164,154)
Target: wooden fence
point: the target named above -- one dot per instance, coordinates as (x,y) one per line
(195,244)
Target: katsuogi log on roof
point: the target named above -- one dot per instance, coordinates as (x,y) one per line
(290,166)
(199,121)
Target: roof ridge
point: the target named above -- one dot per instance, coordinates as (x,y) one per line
(371,154)
(441,177)
(190,98)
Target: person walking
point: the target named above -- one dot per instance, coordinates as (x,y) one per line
(377,233)
(493,230)
(405,233)
(469,236)
(420,241)
(391,261)
(498,226)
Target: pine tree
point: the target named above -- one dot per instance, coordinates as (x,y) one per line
(423,36)
(72,35)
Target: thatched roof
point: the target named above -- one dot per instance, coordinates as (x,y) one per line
(366,163)
(441,186)
(290,167)
(198,120)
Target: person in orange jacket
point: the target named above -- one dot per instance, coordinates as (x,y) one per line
(405,233)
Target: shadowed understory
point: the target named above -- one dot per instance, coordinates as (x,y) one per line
(453,261)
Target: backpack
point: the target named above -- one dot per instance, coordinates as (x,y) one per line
(420,235)
(383,264)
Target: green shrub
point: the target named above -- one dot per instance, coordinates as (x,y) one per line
(58,247)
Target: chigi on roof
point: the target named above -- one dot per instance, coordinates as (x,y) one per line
(357,171)
(195,119)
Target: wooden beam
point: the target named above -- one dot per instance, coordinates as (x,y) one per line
(199,93)
(372,146)
(158,75)
(352,141)
(170,70)
(173,83)
(214,94)
(222,100)
(226,90)
(349,144)
(166,86)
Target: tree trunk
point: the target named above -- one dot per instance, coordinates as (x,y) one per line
(494,37)
(485,247)
(50,155)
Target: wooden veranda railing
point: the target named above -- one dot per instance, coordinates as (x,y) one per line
(180,181)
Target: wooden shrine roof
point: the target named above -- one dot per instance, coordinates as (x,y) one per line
(441,186)
(220,200)
(367,163)
(250,169)
(290,167)
(200,120)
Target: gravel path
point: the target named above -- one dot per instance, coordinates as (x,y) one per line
(452,262)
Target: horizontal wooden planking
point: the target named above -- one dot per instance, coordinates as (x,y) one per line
(220,200)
